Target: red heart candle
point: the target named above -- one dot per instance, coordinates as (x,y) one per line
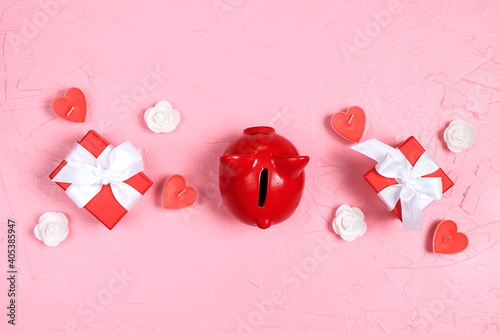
(447,240)
(350,125)
(176,194)
(71,107)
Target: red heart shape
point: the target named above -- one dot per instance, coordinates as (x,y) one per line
(176,194)
(72,106)
(350,125)
(447,240)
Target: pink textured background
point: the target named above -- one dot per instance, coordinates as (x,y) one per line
(277,63)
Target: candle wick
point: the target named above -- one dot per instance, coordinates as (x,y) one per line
(72,109)
(178,195)
(446,238)
(350,119)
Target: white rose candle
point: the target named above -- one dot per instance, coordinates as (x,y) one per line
(52,228)
(162,117)
(349,223)
(459,135)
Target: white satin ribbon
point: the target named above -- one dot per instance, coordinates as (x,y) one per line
(414,191)
(88,174)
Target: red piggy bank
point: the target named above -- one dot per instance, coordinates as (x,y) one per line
(261,177)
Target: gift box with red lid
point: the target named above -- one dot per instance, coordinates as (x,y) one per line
(106,180)
(407,174)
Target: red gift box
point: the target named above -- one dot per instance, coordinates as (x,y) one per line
(412,151)
(104,205)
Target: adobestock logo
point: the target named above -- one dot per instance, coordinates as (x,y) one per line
(282,119)
(128,102)
(461,104)
(223,6)
(208,198)
(31,27)
(373,28)
(320,252)
(88,309)
(437,307)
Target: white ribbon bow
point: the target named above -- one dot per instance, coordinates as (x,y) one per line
(88,174)
(414,191)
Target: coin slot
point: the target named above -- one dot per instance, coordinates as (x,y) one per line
(263,187)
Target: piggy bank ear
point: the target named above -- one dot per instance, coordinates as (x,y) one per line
(290,165)
(235,164)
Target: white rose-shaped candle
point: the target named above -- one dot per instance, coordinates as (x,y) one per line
(459,135)
(162,117)
(52,228)
(349,223)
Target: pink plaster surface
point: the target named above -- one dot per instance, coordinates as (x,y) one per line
(277,63)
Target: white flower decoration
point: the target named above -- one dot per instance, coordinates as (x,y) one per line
(349,223)
(459,135)
(52,228)
(162,117)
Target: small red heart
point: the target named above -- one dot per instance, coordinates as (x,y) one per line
(447,240)
(350,125)
(176,194)
(71,107)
